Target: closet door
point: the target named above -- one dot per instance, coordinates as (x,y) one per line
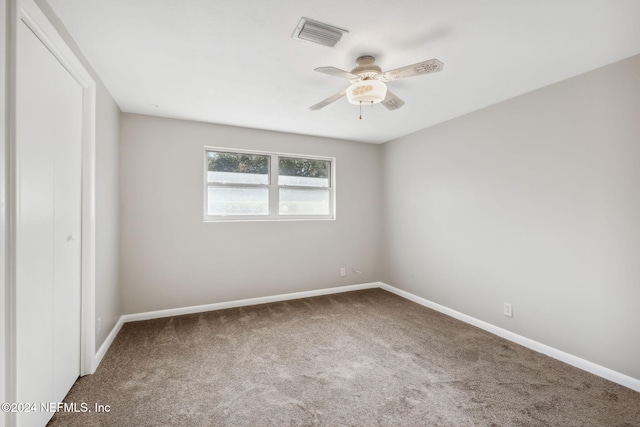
(48,232)
(67,253)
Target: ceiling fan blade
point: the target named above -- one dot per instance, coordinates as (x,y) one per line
(328,101)
(333,71)
(424,67)
(391,101)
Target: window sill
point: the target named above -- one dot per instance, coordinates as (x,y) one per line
(252,219)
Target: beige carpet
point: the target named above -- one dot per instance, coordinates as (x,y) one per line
(365,358)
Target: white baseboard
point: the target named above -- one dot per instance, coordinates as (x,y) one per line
(107,343)
(570,359)
(244,302)
(560,355)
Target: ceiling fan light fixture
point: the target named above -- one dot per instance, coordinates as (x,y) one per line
(367,92)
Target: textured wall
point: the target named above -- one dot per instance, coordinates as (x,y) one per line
(171,258)
(533,201)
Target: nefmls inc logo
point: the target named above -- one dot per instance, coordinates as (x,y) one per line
(65,407)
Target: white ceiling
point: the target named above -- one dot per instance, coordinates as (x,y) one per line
(234,61)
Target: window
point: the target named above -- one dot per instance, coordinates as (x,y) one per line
(238,184)
(267,186)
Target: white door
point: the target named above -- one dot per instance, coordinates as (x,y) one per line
(48,232)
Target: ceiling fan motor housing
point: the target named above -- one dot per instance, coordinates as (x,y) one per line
(366,68)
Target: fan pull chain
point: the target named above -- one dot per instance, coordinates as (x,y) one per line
(361,108)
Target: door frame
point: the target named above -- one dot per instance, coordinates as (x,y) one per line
(5,373)
(30,13)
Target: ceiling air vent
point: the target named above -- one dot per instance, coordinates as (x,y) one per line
(317,32)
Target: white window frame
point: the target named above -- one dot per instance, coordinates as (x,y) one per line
(273,186)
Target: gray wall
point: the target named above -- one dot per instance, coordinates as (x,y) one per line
(534,201)
(171,258)
(107,213)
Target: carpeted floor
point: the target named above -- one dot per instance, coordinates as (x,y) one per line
(365,358)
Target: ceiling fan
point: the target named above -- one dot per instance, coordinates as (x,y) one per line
(368,82)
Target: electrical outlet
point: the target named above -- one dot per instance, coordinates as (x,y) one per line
(508,310)
(99,324)
(343,271)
